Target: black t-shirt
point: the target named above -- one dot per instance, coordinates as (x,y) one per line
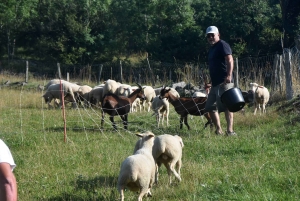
(217,63)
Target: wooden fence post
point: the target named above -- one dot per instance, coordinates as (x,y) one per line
(121,73)
(288,75)
(90,73)
(151,73)
(27,73)
(280,75)
(274,77)
(68,77)
(100,71)
(237,72)
(58,70)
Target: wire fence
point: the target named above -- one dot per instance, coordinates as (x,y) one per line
(273,71)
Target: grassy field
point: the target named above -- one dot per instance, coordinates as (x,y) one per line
(261,163)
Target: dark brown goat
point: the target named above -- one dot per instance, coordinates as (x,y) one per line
(119,105)
(186,106)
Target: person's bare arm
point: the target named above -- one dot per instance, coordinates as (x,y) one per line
(230,63)
(8,184)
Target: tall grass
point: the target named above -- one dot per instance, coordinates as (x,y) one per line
(261,163)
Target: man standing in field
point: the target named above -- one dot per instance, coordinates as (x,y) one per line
(8,184)
(220,69)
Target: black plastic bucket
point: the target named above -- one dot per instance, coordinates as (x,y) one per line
(233,99)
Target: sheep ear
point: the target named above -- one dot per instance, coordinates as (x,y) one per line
(149,133)
(139,85)
(139,134)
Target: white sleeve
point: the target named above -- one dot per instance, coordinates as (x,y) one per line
(5,155)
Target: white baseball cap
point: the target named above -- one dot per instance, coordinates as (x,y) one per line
(212,29)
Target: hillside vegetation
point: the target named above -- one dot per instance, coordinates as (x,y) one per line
(87,32)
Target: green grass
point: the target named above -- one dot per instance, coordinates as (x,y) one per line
(261,163)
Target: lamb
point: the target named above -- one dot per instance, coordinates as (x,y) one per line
(137,171)
(185,106)
(119,105)
(136,105)
(150,95)
(167,150)
(161,108)
(261,97)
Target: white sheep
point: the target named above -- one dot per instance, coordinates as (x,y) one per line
(150,95)
(124,90)
(84,93)
(55,91)
(174,92)
(199,94)
(96,95)
(138,170)
(136,105)
(54,81)
(167,150)
(261,96)
(161,108)
(110,86)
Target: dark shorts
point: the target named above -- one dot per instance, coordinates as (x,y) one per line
(214,102)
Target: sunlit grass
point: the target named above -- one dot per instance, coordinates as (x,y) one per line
(261,163)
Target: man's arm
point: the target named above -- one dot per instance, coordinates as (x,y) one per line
(229,63)
(8,183)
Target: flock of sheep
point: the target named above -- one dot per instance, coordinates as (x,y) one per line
(140,171)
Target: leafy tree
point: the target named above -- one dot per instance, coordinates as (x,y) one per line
(290,10)
(14,16)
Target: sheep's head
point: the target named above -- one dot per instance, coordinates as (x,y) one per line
(147,136)
(47,98)
(253,86)
(140,92)
(164,92)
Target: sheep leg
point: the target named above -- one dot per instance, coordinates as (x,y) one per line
(167,118)
(157,166)
(185,122)
(144,191)
(102,120)
(111,118)
(121,191)
(170,170)
(158,119)
(178,164)
(209,121)
(255,108)
(181,122)
(124,119)
(149,106)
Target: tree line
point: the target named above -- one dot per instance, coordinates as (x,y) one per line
(88,31)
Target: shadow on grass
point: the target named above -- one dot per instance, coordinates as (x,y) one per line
(95,183)
(89,189)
